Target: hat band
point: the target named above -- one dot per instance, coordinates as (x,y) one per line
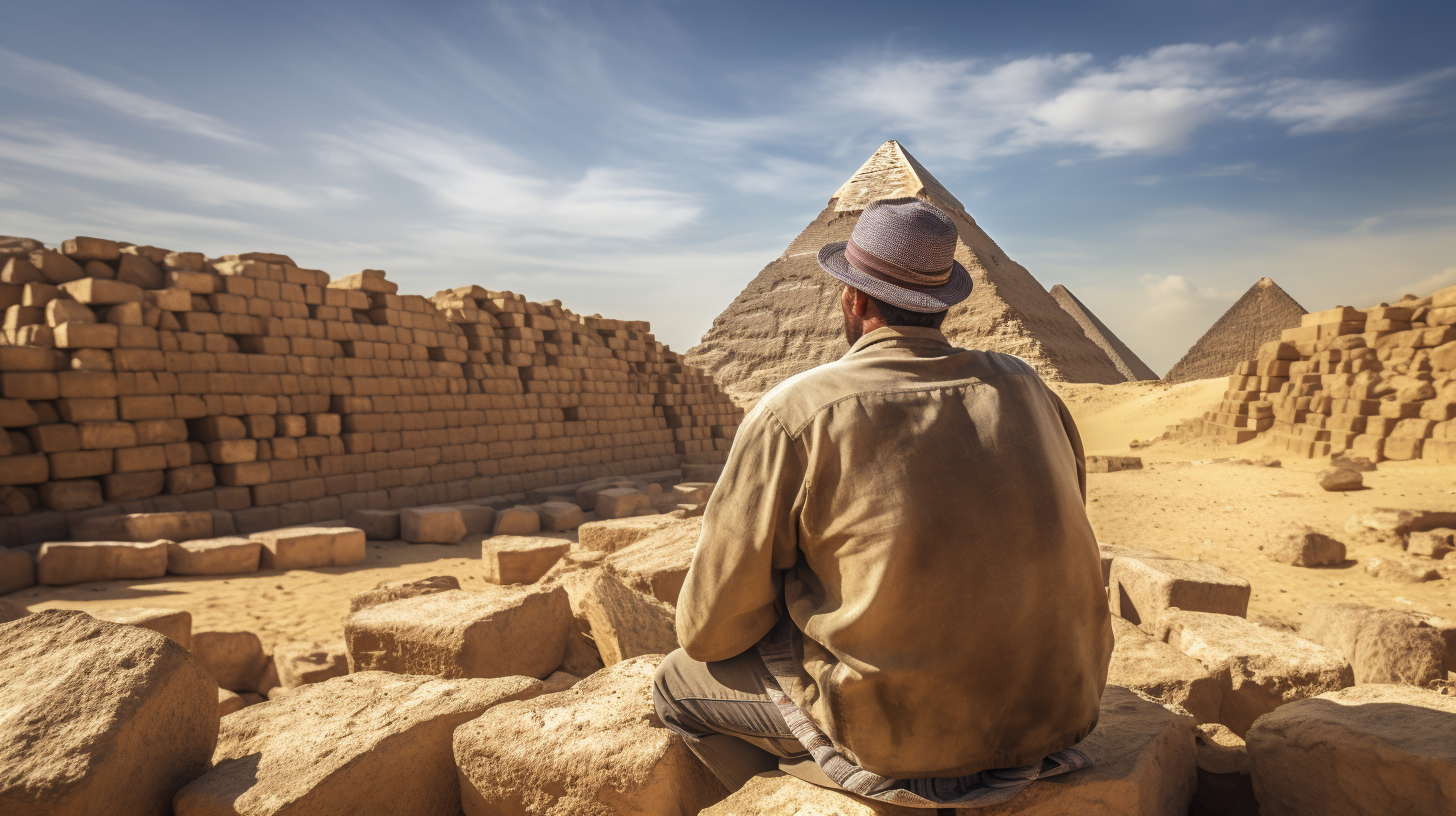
(890,272)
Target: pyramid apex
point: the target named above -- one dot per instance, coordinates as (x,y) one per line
(892,173)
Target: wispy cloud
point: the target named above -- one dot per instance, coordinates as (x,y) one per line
(22,73)
(1314,106)
(43,147)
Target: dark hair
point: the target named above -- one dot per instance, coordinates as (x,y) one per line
(895,316)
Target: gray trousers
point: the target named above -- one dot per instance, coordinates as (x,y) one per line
(724,714)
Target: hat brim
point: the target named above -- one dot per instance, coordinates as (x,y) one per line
(925,299)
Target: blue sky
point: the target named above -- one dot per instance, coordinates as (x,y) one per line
(645,160)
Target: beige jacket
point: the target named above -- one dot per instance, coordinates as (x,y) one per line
(919,511)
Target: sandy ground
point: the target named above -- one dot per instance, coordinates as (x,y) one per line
(1181,503)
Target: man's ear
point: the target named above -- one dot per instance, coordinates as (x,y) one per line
(857,302)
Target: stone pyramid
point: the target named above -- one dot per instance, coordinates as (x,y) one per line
(1257,318)
(787,319)
(1117,351)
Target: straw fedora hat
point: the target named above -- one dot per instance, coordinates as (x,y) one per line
(902,251)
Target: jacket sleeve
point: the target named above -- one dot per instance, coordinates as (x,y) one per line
(732,595)
(1075,437)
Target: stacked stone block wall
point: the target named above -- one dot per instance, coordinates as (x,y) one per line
(135,379)
(1377,382)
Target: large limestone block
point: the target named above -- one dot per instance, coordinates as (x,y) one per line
(387,591)
(229,701)
(235,660)
(1148,665)
(1144,767)
(214,556)
(596,749)
(1305,547)
(1140,589)
(557,516)
(378,525)
(1380,749)
(626,623)
(310,547)
(1109,552)
(621,502)
(516,521)
(371,743)
(174,526)
(74,562)
(300,663)
(1265,668)
(658,563)
(456,633)
(613,535)
(98,718)
(1382,645)
(521,559)
(17,570)
(173,623)
(431,525)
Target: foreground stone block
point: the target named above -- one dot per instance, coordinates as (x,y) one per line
(657,564)
(99,717)
(378,525)
(299,664)
(1340,479)
(214,556)
(178,526)
(387,591)
(1305,547)
(613,535)
(521,559)
(310,547)
(621,502)
(1141,589)
(1145,767)
(17,570)
(1145,664)
(235,660)
(1382,749)
(74,562)
(431,525)
(456,634)
(597,748)
(626,623)
(173,623)
(1108,552)
(367,743)
(1382,645)
(1264,668)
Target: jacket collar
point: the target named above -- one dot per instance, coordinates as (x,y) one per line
(891,334)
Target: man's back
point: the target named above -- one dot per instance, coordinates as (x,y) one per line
(918,508)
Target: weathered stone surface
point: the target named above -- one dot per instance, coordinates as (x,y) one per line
(596,749)
(1140,589)
(455,634)
(478,518)
(517,521)
(387,591)
(657,564)
(1383,749)
(367,743)
(559,516)
(74,562)
(310,547)
(1382,645)
(620,502)
(213,556)
(1113,464)
(1305,547)
(1110,551)
(99,718)
(559,681)
(1435,543)
(17,570)
(691,493)
(626,623)
(10,610)
(1144,767)
(1265,668)
(1400,570)
(610,536)
(228,702)
(234,659)
(173,623)
(299,663)
(521,559)
(177,526)
(1225,787)
(1446,628)
(1337,479)
(378,525)
(431,525)
(1148,665)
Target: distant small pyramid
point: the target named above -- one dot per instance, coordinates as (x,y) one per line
(787,319)
(1257,318)
(1121,356)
